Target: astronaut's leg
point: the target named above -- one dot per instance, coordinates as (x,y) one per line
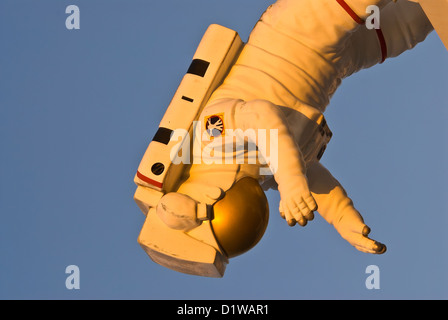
(403,25)
(338,210)
(323,25)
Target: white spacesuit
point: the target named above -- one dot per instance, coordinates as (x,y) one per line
(294,60)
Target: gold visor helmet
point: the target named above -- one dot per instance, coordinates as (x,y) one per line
(241,217)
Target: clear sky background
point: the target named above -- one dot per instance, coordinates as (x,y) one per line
(79,107)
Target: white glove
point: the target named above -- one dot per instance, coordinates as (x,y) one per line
(296,204)
(351,227)
(338,210)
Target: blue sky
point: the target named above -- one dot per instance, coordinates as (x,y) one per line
(79,107)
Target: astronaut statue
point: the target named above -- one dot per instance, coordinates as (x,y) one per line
(260,125)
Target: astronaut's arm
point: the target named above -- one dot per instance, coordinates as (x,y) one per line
(338,210)
(289,170)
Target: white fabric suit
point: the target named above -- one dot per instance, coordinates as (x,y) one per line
(296,57)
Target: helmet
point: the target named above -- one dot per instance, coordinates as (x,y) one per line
(241,217)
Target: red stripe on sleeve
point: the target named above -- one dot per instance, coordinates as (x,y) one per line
(358,20)
(383,45)
(352,13)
